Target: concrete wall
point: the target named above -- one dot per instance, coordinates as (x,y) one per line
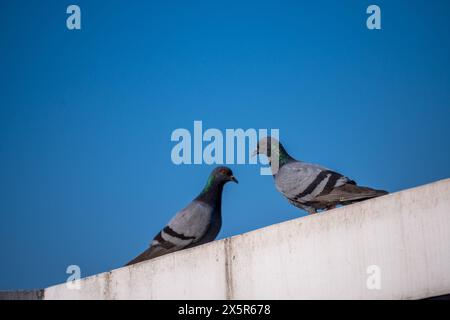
(324,256)
(22,295)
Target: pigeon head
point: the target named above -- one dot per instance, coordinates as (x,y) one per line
(223,175)
(217,179)
(268,146)
(274,150)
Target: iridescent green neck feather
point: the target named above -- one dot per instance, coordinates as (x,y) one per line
(282,155)
(209,184)
(212,192)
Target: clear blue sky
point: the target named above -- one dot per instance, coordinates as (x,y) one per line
(86,116)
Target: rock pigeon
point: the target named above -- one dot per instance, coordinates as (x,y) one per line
(311,187)
(196,224)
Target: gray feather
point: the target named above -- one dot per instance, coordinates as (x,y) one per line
(308,186)
(304,181)
(312,187)
(198,223)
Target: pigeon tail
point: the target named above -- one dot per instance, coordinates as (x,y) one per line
(372,193)
(150,253)
(350,193)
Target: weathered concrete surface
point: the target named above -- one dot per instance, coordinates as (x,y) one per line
(406,234)
(193,274)
(22,295)
(324,256)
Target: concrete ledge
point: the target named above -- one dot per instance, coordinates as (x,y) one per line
(324,256)
(22,295)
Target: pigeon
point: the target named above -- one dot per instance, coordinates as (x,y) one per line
(308,186)
(196,224)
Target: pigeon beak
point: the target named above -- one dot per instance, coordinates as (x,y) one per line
(254,153)
(232,178)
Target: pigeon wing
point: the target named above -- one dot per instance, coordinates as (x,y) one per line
(350,193)
(187,227)
(302,182)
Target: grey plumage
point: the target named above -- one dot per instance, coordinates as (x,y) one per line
(308,186)
(198,223)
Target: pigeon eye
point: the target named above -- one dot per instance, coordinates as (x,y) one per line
(223,171)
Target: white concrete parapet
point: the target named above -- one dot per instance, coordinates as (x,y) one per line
(405,235)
